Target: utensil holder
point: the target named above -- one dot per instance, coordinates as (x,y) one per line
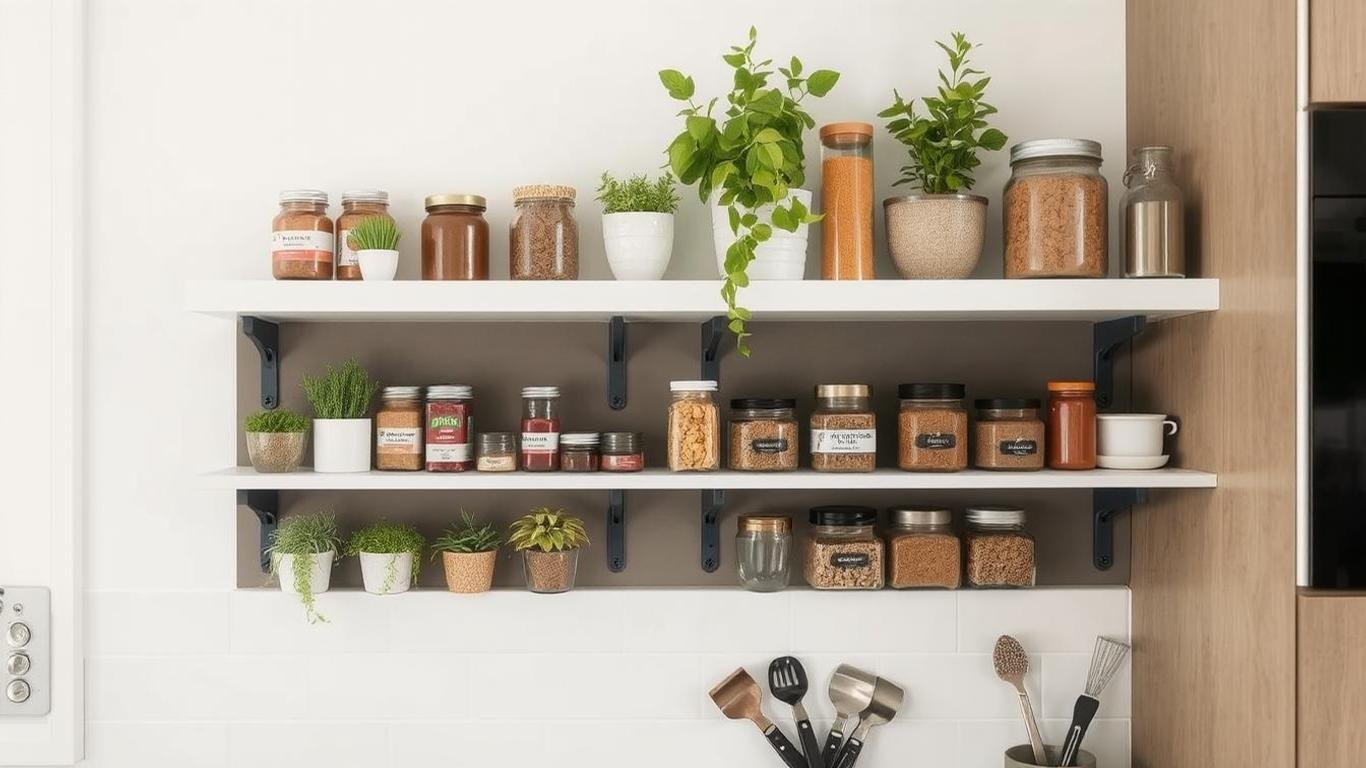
(1022,756)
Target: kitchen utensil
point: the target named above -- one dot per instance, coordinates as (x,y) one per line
(739,698)
(1012,664)
(851,691)
(787,681)
(1131,462)
(1106,660)
(887,698)
(1133,434)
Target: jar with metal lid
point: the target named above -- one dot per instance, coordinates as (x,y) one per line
(932,428)
(622,452)
(763,552)
(922,549)
(541,429)
(1056,210)
(579,452)
(545,238)
(1154,216)
(847,201)
(302,241)
(398,429)
(357,205)
(694,435)
(1071,440)
(1008,434)
(497,452)
(455,238)
(763,434)
(999,551)
(842,549)
(843,429)
(450,428)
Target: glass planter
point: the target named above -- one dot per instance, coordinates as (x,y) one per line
(550,572)
(276,451)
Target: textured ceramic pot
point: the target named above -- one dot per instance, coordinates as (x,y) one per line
(936,237)
(638,244)
(386,573)
(469,572)
(319,573)
(276,451)
(781,257)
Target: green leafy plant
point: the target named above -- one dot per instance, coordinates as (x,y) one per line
(276,421)
(753,158)
(467,537)
(305,537)
(373,233)
(943,143)
(638,194)
(387,538)
(548,530)
(342,393)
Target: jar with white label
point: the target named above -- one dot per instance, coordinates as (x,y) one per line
(843,429)
(302,237)
(540,429)
(357,205)
(398,430)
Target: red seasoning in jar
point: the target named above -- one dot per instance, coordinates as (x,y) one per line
(450,428)
(622,452)
(540,429)
(1071,437)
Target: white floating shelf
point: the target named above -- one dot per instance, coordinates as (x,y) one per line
(698,300)
(245,478)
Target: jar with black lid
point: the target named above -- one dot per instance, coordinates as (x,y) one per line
(763,434)
(579,452)
(622,452)
(932,433)
(842,549)
(1008,434)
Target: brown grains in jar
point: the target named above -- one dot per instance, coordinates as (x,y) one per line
(544,236)
(398,430)
(922,549)
(1056,210)
(763,435)
(302,237)
(842,551)
(999,552)
(932,428)
(694,432)
(843,429)
(357,205)
(1008,434)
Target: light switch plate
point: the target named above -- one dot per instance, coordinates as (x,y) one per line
(25,641)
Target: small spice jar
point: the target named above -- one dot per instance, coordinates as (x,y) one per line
(763,435)
(540,429)
(1008,434)
(357,204)
(455,238)
(579,452)
(1056,210)
(398,429)
(497,452)
(843,429)
(694,435)
(450,428)
(763,552)
(932,433)
(544,236)
(842,549)
(301,237)
(1071,437)
(847,201)
(999,552)
(622,452)
(922,549)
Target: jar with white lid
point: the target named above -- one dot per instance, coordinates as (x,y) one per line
(1056,210)
(694,433)
(357,205)
(302,237)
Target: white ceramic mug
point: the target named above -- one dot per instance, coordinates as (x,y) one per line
(1132,434)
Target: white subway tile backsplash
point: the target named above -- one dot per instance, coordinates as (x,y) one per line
(962,686)
(253,745)
(1043,620)
(145,745)
(143,623)
(882,621)
(394,686)
(707,621)
(270,621)
(1064,679)
(553,687)
(469,745)
(899,744)
(201,688)
(508,621)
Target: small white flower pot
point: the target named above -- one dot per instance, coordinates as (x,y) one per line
(341,445)
(781,257)
(319,577)
(638,244)
(377,264)
(386,574)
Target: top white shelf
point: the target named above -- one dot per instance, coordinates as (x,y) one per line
(698,300)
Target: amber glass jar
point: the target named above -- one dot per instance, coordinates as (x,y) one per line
(1071,438)
(455,238)
(357,204)
(398,430)
(544,243)
(301,237)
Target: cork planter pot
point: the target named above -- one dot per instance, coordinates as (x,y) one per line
(386,573)
(469,573)
(550,572)
(273,452)
(341,445)
(639,244)
(781,257)
(936,237)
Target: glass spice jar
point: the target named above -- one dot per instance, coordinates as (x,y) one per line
(398,430)
(544,236)
(843,429)
(842,549)
(1008,434)
(763,435)
(622,452)
(301,237)
(357,204)
(497,452)
(999,552)
(450,428)
(579,452)
(1071,435)
(922,549)
(847,201)
(455,238)
(763,552)
(694,435)
(1056,210)
(932,433)
(540,429)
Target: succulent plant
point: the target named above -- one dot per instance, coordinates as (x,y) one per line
(548,530)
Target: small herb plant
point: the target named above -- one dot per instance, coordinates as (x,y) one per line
(467,537)
(387,538)
(342,393)
(753,158)
(547,529)
(276,421)
(943,143)
(638,194)
(304,537)
(374,233)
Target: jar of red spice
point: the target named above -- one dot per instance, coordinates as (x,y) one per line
(622,452)
(1071,437)
(541,429)
(450,428)
(579,452)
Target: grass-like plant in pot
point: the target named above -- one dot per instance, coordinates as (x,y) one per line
(638,224)
(302,552)
(938,232)
(341,427)
(469,552)
(390,556)
(276,440)
(549,540)
(375,241)
(749,165)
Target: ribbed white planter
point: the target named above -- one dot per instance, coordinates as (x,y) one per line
(638,244)
(781,257)
(341,445)
(386,574)
(319,576)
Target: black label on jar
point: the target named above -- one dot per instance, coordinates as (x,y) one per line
(935,441)
(1020,447)
(849,560)
(769,445)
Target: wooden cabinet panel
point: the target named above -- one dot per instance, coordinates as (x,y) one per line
(1332,681)
(1337,50)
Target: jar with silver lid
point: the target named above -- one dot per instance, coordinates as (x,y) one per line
(450,428)
(923,550)
(1154,216)
(398,429)
(1056,210)
(999,551)
(763,552)
(579,452)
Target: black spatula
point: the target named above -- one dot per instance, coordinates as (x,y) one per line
(787,681)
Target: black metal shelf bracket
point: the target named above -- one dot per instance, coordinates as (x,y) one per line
(266,336)
(1107,336)
(712,502)
(712,332)
(616,531)
(266,506)
(1106,505)
(616,363)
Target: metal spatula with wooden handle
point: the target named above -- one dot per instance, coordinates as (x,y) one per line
(739,698)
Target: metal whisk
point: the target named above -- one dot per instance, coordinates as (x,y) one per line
(1106,660)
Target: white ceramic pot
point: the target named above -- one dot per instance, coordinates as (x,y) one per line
(377,264)
(781,257)
(936,237)
(319,577)
(1133,434)
(341,445)
(386,574)
(638,244)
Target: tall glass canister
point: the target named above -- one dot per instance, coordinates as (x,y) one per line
(847,201)
(1154,216)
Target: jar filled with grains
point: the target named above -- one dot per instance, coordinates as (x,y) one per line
(847,201)
(763,435)
(922,549)
(450,428)
(1008,434)
(843,429)
(398,429)
(579,452)
(999,552)
(455,238)
(1056,210)
(1071,425)
(302,237)
(694,435)
(842,549)
(763,552)
(545,237)
(497,452)
(622,452)
(932,428)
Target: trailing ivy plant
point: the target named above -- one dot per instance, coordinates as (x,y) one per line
(386,538)
(943,143)
(547,529)
(342,393)
(276,421)
(638,194)
(305,537)
(373,233)
(467,537)
(751,155)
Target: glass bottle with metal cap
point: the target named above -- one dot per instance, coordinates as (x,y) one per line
(540,429)
(1056,210)
(455,238)
(923,550)
(999,552)
(763,552)
(1154,216)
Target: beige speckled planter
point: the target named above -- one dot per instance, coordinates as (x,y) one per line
(936,237)
(276,451)
(469,572)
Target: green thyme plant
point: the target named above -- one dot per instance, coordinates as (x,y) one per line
(374,233)
(638,194)
(276,421)
(342,393)
(943,143)
(548,530)
(752,155)
(467,537)
(387,538)
(305,537)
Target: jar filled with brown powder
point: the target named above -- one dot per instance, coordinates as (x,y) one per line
(545,238)
(847,201)
(763,434)
(398,430)
(357,204)
(455,238)
(1056,210)
(301,237)
(1008,434)
(999,552)
(922,549)
(842,549)
(843,429)
(932,428)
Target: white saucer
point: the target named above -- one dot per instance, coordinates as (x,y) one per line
(1131,462)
